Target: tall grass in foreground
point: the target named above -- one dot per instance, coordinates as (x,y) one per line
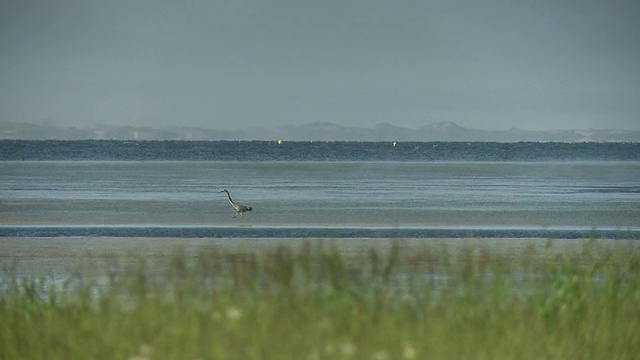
(315,302)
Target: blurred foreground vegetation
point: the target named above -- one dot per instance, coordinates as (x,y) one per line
(314,301)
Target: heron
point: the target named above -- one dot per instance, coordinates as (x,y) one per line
(239,207)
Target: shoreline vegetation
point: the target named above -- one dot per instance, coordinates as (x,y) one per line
(330,299)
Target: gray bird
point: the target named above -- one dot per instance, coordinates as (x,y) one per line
(239,207)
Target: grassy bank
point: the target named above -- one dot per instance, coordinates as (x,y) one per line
(315,301)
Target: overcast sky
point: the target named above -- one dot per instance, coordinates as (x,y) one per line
(532,64)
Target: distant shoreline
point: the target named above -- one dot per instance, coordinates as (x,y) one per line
(319,131)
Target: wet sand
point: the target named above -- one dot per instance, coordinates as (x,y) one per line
(37,256)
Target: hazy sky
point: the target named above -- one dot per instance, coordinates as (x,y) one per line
(532,64)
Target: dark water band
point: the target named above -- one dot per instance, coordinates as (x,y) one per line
(160,231)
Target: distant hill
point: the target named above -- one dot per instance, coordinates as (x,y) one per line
(318,131)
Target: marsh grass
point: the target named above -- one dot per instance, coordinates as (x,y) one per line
(316,301)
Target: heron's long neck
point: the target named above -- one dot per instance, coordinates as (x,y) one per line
(230,199)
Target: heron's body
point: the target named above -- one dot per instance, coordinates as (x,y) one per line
(239,207)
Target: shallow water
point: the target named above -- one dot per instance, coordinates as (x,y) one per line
(423,195)
(54,213)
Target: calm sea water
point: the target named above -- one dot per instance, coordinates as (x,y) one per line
(260,151)
(303,189)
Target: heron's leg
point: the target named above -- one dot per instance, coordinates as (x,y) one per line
(240,212)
